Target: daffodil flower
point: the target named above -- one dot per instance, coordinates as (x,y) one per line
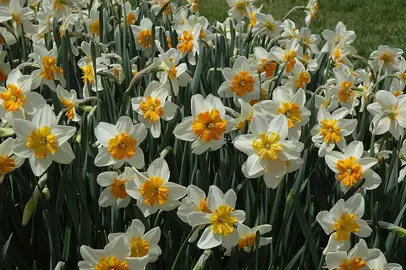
(239,8)
(43,141)
(265,62)
(142,244)
(266,25)
(309,39)
(331,130)
(20,16)
(188,43)
(343,220)
(341,34)
(350,167)
(290,106)
(143,34)
(115,192)
(312,8)
(69,102)
(386,59)
(152,189)
(299,78)
(16,99)
(93,23)
(115,255)
(288,56)
(195,201)
(8,161)
(120,143)
(153,107)
(207,125)
(241,81)
(269,153)
(48,71)
(343,89)
(389,114)
(222,220)
(248,236)
(131,16)
(359,257)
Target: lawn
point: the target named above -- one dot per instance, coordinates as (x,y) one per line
(374,21)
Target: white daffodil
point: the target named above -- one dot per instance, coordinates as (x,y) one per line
(154,106)
(341,34)
(157,5)
(401,74)
(20,16)
(16,99)
(350,167)
(42,140)
(60,8)
(222,220)
(195,201)
(246,114)
(48,70)
(141,244)
(207,125)
(396,88)
(239,8)
(343,89)
(248,236)
(114,192)
(117,71)
(299,78)
(289,105)
(367,86)
(311,10)
(358,257)
(152,189)
(385,59)
(389,114)
(288,56)
(115,255)
(88,77)
(331,130)
(6,37)
(69,102)
(309,39)
(381,263)
(241,81)
(343,220)
(266,25)
(264,62)
(173,72)
(188,43)
(8,161)
(120,143)
(268,151)
(289,31)
(130,15)
(93,23)
(143,34)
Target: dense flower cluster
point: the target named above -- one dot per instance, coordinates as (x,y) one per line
(279,84)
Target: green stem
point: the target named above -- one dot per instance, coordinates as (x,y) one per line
(183,247)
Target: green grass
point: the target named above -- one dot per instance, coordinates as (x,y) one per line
(375,22)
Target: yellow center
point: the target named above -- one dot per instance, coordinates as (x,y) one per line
(222,221)
(209,125)
(345,91)
(70,108)
(131,18)
(13,98)
(43,142)
(330,131)
(241,125)
(88,74)
(16,17)
(269,26)
(118,188)
(49,68)
(253,20)
(291,111)
(111,263)
(403,76)
(153,192)
(268,147)
(3,77)
(387,58)
(186,42)
(290,60)
(241,6)
(139,247)
(393,113)
(122,146)
(247,241)
(6,165)
(302,79)
(152,109)
(267,66)
(203,207)
(350,171)
(353,264)
(172,70)
(242,82)
(58,4)
(94,27)
(345,226)
(397,93)
(145,38)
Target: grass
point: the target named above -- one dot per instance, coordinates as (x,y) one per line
(374,21)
